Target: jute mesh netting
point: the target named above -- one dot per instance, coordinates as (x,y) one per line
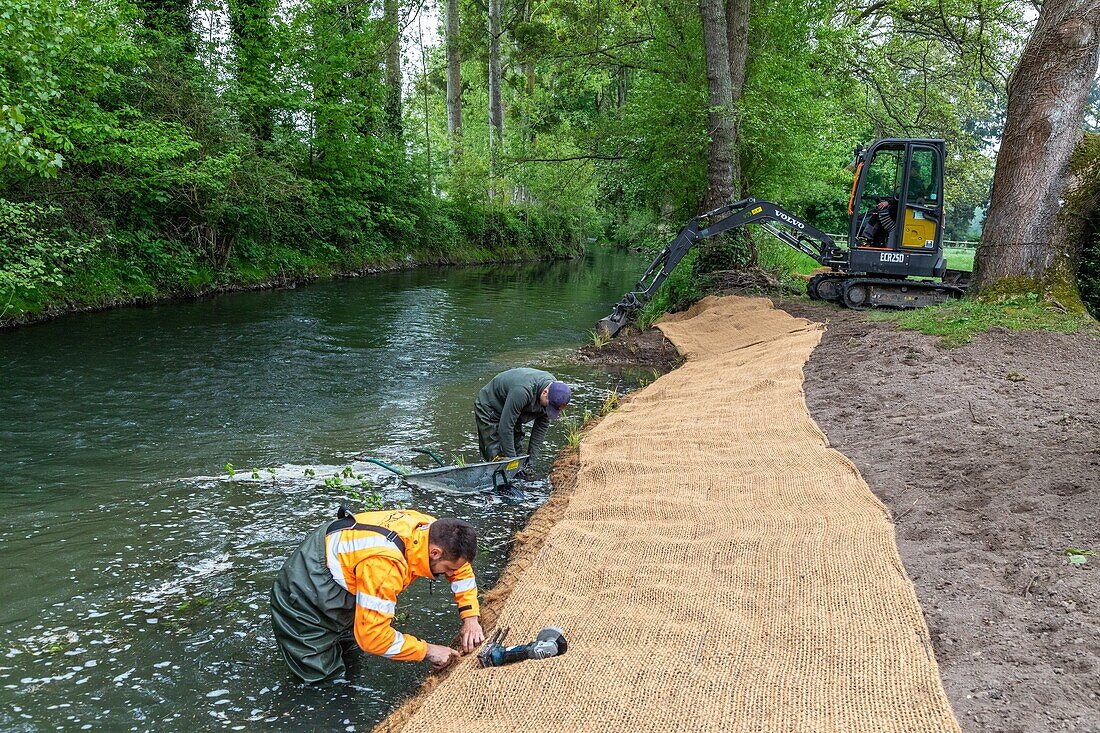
(717,567)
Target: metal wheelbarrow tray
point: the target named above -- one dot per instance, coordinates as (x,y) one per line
(461,479)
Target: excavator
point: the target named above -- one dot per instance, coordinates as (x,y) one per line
(886,252)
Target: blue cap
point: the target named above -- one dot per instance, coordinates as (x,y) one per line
(557,398)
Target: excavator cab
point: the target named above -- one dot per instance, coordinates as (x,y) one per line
(896,209)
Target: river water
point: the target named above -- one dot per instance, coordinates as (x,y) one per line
(136,563)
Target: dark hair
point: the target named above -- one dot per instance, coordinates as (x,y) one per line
(456,537)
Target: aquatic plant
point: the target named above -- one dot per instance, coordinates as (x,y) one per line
(599,338)
(610,403)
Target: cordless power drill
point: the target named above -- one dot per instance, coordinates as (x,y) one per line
(550,642)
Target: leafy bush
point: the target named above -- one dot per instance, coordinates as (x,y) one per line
(33,254)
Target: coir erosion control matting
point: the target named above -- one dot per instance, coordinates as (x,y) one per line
(717,568)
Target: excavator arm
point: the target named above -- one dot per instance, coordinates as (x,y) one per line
(781,224)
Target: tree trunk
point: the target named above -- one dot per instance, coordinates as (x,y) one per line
(737,38)
(1047,93)
(250,26)
(393,68)
(720,158)
(454,77)
(496,113)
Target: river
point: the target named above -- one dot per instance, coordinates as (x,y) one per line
(158,464)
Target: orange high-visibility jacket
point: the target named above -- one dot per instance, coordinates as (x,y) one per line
(372,568)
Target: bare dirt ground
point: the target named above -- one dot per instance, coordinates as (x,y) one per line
(633,348)
(989,458)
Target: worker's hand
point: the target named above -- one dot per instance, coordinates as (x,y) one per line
(471,634)
(441,657)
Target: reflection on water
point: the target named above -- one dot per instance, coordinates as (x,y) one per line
(157,465)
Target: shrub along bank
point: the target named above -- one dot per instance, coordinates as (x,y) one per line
(47,267)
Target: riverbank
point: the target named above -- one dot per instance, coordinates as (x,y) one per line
(693,595)
(137,269)
(647,349)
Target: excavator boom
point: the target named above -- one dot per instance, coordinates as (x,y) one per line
(778,222)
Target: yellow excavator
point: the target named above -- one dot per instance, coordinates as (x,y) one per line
(894,258)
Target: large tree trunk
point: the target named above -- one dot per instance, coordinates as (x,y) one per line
(737,38)
(454,77)
(1047,94)
(720,158)
(392,102)
(496,113)
(734,250)
(250,25)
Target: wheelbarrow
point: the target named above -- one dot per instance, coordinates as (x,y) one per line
(460,478)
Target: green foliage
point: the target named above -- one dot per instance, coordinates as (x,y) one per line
(678,292)
(1082,206)
(34,255)
(610,403)
(599,338)
(574,428)
(1077,556)
(141,156)
(957,322)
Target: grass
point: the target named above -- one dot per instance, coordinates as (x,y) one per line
(960,258)
(610,403)
(599,337)
(957,322)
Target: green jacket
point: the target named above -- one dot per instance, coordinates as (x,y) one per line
(510,400)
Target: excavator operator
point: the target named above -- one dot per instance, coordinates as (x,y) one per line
(879,223)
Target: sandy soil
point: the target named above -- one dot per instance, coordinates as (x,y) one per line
(989,458)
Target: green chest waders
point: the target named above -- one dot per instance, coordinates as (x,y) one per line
(310,611)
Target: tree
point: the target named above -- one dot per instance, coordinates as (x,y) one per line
(454,76)
(720,121)
(496,111)
(250,25)
(737,39)
(172,18)
(1028,233)
(393,67)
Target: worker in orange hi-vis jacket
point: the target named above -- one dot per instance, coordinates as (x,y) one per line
(346,576)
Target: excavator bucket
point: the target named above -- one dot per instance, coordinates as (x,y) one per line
(609,327)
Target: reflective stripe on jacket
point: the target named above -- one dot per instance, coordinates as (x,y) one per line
(374,570)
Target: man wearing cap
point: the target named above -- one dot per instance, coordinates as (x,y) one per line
(511,400)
